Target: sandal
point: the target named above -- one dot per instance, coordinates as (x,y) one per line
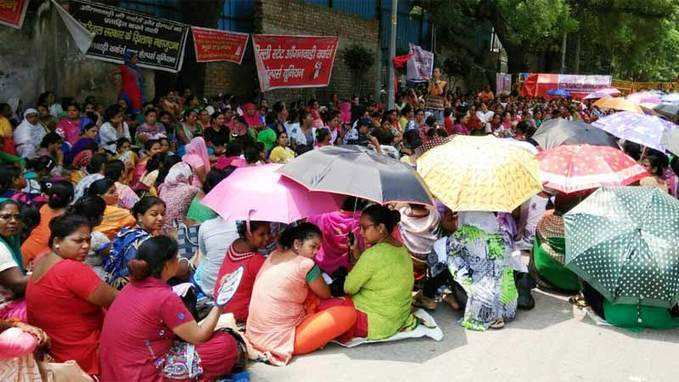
(421,301)
(578,301)
(451,301)
(498,324)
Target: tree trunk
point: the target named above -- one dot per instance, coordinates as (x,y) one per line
(577,55)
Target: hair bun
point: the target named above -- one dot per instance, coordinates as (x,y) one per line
(395,216)
(139,269)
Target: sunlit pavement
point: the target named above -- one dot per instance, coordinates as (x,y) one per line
(553,342)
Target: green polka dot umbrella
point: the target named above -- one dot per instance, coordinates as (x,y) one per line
(624,242)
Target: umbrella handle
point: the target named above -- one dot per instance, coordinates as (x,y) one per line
(247,222)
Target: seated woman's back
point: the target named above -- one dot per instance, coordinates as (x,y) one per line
(137,329)
(381,283)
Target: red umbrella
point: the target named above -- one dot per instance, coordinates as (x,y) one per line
(574,168)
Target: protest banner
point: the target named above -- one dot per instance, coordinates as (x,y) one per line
(212,45)
(503,83)
(159,43)
(578,85)
(294,61)
(420,64)
(12,12)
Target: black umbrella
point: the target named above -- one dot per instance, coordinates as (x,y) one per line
(557,132)
(357,171)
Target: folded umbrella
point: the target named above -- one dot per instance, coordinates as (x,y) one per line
(472,173)
(647,130)
(575,168)
(357,171)
(261,193)
(557,132)
(624,242)
(618,103)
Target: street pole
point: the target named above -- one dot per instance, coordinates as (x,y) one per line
(392,53)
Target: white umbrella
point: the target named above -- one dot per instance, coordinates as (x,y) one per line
(647,130)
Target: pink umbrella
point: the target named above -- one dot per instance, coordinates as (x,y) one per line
(645,97)
(261,193)
(573,168)
(601,93)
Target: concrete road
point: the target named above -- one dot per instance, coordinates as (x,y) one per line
(553,342)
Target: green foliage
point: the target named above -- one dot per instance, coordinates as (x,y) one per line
(358,58)
(630,39)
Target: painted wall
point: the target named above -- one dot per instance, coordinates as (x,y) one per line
(42,56)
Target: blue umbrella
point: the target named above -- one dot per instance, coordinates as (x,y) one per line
(563,93)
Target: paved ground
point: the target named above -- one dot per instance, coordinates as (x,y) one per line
(553,342)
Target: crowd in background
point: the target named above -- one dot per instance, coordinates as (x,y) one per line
(97,201)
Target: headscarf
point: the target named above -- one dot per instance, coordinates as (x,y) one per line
(252,120)
(483,220)
(196,154)
(178,174)
(419,232)
(27,135)
(82,159)
(177,193)
(334,251)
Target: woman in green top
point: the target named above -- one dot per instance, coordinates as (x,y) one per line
(381,281)
(12,273)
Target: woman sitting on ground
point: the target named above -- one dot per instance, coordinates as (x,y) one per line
(282,153)
(381,281)
(92,207)
(177,192)
(241,265)
(148,333)
(150,215)
(283,320)
(12,272)
(65,298)
(115,218)
(478,254)
(59,196)
(337,227)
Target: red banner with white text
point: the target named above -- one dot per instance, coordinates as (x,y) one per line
(214,45)
(12,12)
(294,61)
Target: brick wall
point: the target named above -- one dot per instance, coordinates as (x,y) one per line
(294,17)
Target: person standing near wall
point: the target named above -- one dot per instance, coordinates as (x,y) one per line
(132,82)
(436,95)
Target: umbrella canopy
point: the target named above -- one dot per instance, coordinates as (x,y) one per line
(601,93)
(357,171)
(261,193)
(582,167)
(557,132)
(618,103)
(669,110)
(670,98)
(472,173)
(624,242)
(563,93)
(647,130)
(671,141)
(645,97)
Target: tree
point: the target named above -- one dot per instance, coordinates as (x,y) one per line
(631,39)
